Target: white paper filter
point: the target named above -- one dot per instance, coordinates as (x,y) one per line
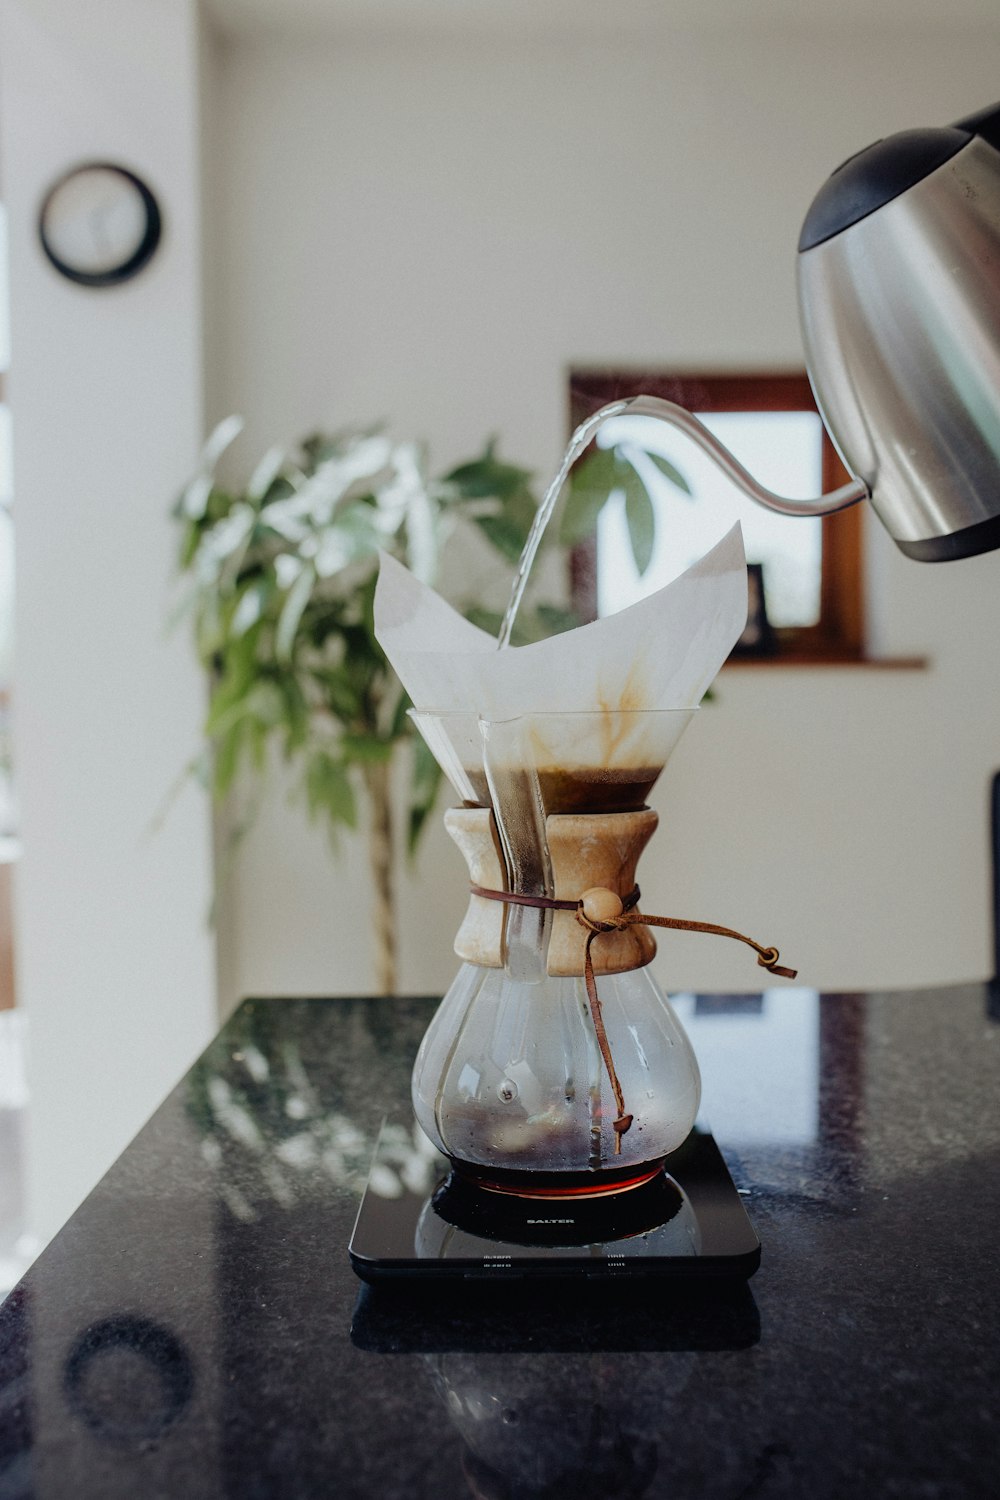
(662,652)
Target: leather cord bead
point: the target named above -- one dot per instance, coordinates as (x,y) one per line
(601,905)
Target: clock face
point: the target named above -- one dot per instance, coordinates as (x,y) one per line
(99,225)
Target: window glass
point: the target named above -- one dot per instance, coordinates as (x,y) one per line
(782,449)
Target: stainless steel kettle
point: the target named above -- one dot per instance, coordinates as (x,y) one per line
(899,294)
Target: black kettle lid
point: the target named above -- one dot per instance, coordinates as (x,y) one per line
(881,172)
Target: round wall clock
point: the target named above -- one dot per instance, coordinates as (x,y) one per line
(99,225)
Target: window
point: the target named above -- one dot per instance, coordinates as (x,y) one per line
(810,568)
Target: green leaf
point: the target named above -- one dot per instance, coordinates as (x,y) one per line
(265,474)
(295,712)
(236,668)
(641,519)
(541,621)
(291,614)
(250,606)
(220,438)
(228,749)
(341,696)
(262,704)
(425,781)
(400,722)
(556,619)
(580,515)
(257,734)
(521,508)
(366,749)
(489,620)
(506,535)
(189,543)
(668,471)
(193,501)
(329,790)
(591,483)
(487,476)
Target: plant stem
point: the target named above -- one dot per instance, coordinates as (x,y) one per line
(380,854)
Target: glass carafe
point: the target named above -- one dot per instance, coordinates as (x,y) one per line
(512,1081)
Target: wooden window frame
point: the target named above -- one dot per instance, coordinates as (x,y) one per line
(839,635)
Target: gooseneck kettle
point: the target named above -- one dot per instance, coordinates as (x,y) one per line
(899,297)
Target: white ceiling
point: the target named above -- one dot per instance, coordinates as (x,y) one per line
(588,18)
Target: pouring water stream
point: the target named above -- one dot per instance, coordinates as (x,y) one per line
(543,515)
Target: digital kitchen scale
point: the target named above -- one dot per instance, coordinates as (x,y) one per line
(686,1221)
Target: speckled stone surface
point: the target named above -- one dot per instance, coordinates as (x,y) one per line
(189,1333)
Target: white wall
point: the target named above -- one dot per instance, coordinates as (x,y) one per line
(433,233)
(115,962)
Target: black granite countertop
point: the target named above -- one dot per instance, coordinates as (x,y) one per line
(196,1329)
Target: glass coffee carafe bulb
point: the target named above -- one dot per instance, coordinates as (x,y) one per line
(510,1077)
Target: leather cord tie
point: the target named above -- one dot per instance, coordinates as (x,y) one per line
(602,917)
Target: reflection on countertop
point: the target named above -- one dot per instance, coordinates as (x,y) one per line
(196,1330)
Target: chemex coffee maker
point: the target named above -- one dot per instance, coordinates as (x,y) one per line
(555,1080)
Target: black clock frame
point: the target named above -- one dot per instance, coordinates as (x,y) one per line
(141,255)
